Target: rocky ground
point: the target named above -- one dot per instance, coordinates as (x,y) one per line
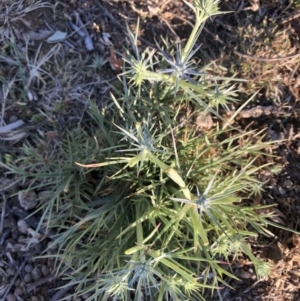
(255,40)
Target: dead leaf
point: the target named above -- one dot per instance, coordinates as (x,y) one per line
(204,121)
(115,63)
(257,199)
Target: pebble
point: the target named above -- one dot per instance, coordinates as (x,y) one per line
(16,248)
(11,297)
(8,185)
(34,298)
(11,271)
(288,184)
(19,291)
(28,268)
(204,121)
(10,242)
(36,273)
(45,270)
(27,278)
(22,226)
(27,199)
(244,274)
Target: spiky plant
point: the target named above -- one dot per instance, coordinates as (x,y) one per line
(146,206)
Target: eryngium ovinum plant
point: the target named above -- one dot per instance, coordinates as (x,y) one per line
(152,209)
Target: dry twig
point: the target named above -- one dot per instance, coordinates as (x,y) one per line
(13,280)
(3,212)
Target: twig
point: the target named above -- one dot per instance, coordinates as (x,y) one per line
(110,16)
(3,212)
(255,112)
(87,38)
(250,287)
(288,19)
(62,291)
(41,281)
(59,294)
(13,280)
(294,71)
(4,236)
(32,221)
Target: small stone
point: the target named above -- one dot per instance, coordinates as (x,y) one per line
(244,274)
(28,268)
(27,199)
(22,226)
(36,273)
(8,185)
(45,270)
(11,297)
(281,191)
(27,278)
(204,121)
(288,184)
(255,5)
(19,291)
(10,242)
(16,248)
(34,298)
(11,271)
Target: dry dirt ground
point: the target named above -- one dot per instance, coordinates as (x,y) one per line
(256,40)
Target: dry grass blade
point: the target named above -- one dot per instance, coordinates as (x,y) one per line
(35,66)
(13,11)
